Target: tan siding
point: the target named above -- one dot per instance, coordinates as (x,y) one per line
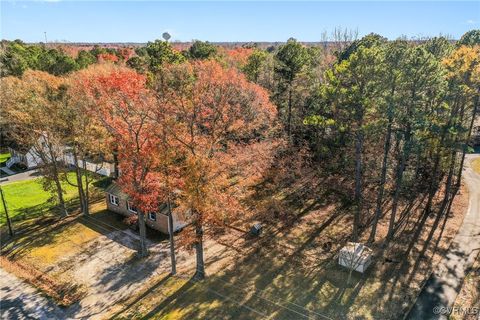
(160,224)
(121,208)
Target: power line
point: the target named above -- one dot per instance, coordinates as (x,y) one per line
(279,304)
(257,291)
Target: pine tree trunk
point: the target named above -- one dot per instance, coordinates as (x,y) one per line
(200,270)
(448,185)
(142,250)
(398,181)
(289,116)
(433,186)
(358,182)
(467,139)
(383,178)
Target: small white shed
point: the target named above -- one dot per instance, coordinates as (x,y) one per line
(355,256)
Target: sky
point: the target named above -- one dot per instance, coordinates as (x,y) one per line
(142,21)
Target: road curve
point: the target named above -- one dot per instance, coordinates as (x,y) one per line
(439,293)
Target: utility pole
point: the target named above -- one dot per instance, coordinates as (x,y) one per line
(9,223)
(45,33)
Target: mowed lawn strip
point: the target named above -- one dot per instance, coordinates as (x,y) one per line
(3,158)
(28,199)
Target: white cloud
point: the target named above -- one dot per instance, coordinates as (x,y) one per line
(470,21)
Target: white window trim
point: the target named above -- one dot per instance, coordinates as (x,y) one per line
(150,216)
(129,207)
(113,199)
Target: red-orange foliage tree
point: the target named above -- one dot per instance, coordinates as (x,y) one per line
(236,58)
(107,57)
(121,101)
(221,123)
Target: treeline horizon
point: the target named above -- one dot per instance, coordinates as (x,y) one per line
(226,44)
(387,122)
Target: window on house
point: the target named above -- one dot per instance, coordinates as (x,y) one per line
(152,216)
(113,199)
(131,207)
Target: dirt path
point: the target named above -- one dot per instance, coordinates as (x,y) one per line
(19,300)
(441,290)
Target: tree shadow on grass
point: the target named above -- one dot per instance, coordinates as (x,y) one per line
(270,280)
(142,296)
(178,294)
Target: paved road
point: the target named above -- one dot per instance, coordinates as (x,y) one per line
(27,175)
(442,288)
(21,301)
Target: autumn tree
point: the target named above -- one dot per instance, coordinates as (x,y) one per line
(463,73)
(121,101)
(221,123)
(33,108)
(84,138)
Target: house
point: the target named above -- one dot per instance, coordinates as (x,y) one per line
(117,201)
(24,157)
(103,168)
(28,157)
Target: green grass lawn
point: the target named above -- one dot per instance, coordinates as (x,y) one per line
(3,158)
(28,199)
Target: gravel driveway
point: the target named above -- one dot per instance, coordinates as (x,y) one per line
(21,301)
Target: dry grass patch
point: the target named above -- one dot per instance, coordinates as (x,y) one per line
(60,237)
(69,241)
(476,165)
(149,298)
(64,294)
(286,273)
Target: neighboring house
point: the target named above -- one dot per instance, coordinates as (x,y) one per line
(103,168)
(117,201)
(23,156)
(476,131)
(28,157)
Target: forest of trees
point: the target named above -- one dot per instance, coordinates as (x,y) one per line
(197,129)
